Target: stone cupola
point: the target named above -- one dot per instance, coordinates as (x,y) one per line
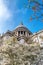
(22,31)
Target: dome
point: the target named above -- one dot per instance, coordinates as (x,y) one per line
(21,27)
(22,32)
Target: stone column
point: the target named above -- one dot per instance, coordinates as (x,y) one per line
(23,32)
(17,33)
(26,34)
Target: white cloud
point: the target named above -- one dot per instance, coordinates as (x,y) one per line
(4,12)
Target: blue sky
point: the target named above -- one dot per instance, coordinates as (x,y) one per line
(12,12)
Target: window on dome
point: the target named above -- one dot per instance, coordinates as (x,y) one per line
(21,32)
(29,33)
(18,32)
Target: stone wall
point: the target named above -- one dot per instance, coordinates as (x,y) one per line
(38,38)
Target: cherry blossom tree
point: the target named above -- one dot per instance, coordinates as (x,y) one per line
(37,9)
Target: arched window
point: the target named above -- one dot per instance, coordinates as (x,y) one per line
(21,32)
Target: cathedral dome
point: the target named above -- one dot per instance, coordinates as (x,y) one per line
(21,30)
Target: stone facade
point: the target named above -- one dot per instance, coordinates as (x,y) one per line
(21,32)
(38,38)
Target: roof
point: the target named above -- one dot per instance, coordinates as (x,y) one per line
(21,25)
